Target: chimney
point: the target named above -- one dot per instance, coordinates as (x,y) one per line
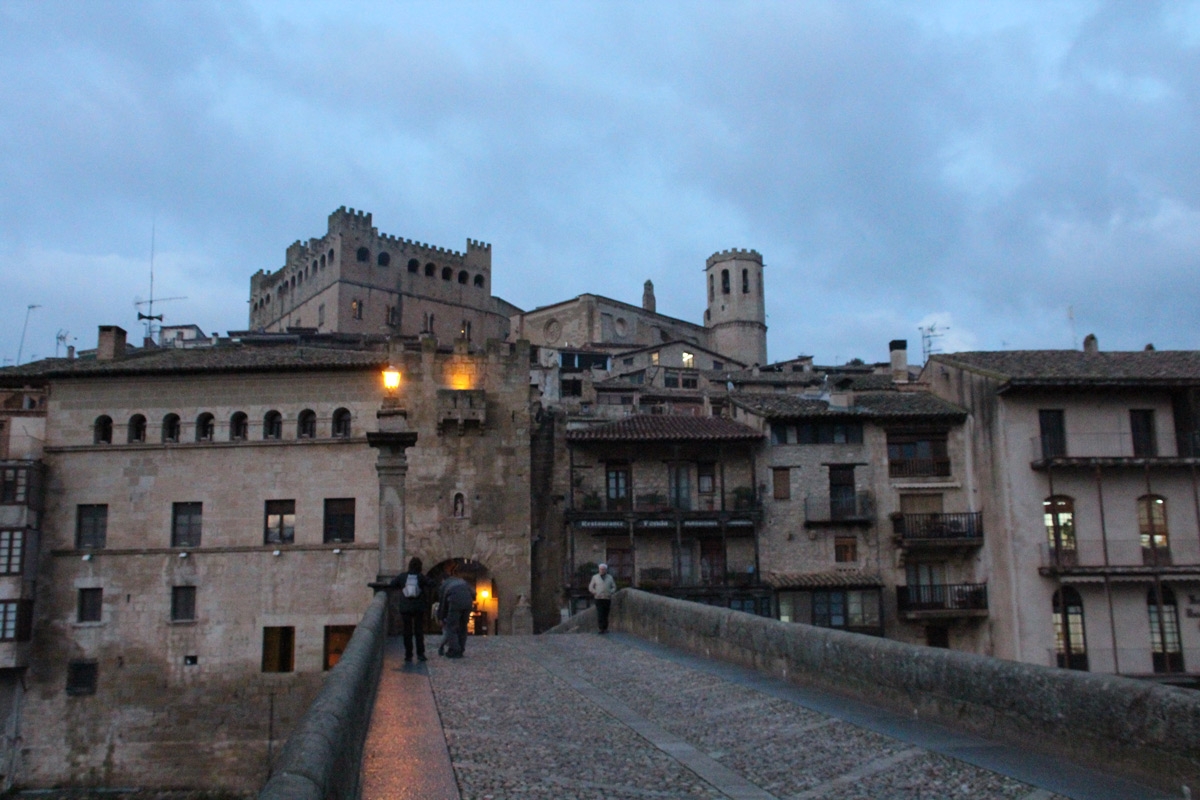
(648,296)
(1091,344)
(112,343)
(898,348)
(70,352)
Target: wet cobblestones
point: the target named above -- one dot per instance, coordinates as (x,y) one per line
(516,728)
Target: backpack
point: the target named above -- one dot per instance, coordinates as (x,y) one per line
(412,586)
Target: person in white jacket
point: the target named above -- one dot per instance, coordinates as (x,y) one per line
(602,587)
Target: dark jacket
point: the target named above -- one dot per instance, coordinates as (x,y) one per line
(455,595)
(413,605)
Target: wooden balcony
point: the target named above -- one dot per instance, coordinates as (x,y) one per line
(942,600)
(938,531)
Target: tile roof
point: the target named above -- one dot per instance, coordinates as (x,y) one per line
(221,358)
(866,405)
(836,578)
(1079,368)
(666,428)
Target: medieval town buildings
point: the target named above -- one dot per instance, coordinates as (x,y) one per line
(188,527)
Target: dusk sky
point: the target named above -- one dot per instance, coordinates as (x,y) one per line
(1020,174)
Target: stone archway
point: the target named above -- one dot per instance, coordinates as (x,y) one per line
(487,604)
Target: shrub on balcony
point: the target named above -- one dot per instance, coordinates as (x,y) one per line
(591,502)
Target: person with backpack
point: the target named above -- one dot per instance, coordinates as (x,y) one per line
(414,599)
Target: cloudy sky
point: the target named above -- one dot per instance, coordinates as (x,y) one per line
(1019,174)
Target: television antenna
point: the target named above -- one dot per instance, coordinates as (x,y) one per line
(25,327)
(150,317)
(60,340)
(929,335)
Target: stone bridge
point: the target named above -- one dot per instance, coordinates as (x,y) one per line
(690,701)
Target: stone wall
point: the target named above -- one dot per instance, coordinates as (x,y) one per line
(1139,728)
(322,757)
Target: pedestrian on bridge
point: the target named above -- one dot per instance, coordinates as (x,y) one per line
(602,587)
(455,601)
(415,590)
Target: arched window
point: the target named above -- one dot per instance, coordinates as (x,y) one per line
(414,266)
(239,427)
(447,273)
(137,429)
(724,281)
(463,277)
(316,265)
(745,281)
(170,428)
(331,255)
(363,255)
(205,426)
(1152,525)
(341,424)
(306,424)
(479,281)
(273,425)
(1164,630)
(322,261)
(1070,644)
(102,430)
(460,505)
(384,260)
(430,269)
(1058,513)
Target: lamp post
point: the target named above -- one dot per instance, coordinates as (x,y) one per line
(391,440)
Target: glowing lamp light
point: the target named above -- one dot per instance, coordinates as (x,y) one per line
(460,380)
(484,594)
(391,379)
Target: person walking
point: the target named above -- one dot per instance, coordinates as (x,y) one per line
(455,600)
(602,587)
(414,604)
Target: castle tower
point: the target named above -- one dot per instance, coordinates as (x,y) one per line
(736,312)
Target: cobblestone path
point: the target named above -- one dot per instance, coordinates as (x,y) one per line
(582,716)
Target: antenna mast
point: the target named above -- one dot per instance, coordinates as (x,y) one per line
(929,335)
(151,317)
(21,347)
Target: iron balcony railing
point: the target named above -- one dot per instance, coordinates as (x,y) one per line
(919,467)
(942,597)
(968,525)
(847,507)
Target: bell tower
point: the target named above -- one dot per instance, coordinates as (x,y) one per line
(736,312)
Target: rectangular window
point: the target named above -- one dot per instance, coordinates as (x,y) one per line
(718,364)
(320,315)
(185,524)
(81,677)
(1141,425)
(706,477)
(339,520)
(183,603)
(90,605)
(654,359)
(712,562)
(671,380)
(829,433)
(571,387)
(279,649)
(91,527)
(12,552)
(16,620)
(279,526)
(617,486)
(1052,424)
(689,382)
(356,309)
(14,484)
(689,360)
(782,479)
(856,609)
(917,455)
(680,486)
(337,638)
(845,550)
(841,491)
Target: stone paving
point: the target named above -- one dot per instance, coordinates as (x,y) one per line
(583,716)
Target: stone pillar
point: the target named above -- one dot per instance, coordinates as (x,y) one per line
(392,439)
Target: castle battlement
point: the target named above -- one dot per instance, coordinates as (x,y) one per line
(734,254)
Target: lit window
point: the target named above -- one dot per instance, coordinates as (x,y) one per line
(654,359)
(689,360)
(279,526)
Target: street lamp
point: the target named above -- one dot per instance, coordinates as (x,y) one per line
(391,378)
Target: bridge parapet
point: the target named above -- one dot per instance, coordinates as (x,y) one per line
(321,759)
(1104,721)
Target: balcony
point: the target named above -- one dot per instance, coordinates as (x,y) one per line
(942,600)
(919,467)
(855,508)
(1117,556)
(21,484)
(460,408)
(938,530)
(1109,448)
